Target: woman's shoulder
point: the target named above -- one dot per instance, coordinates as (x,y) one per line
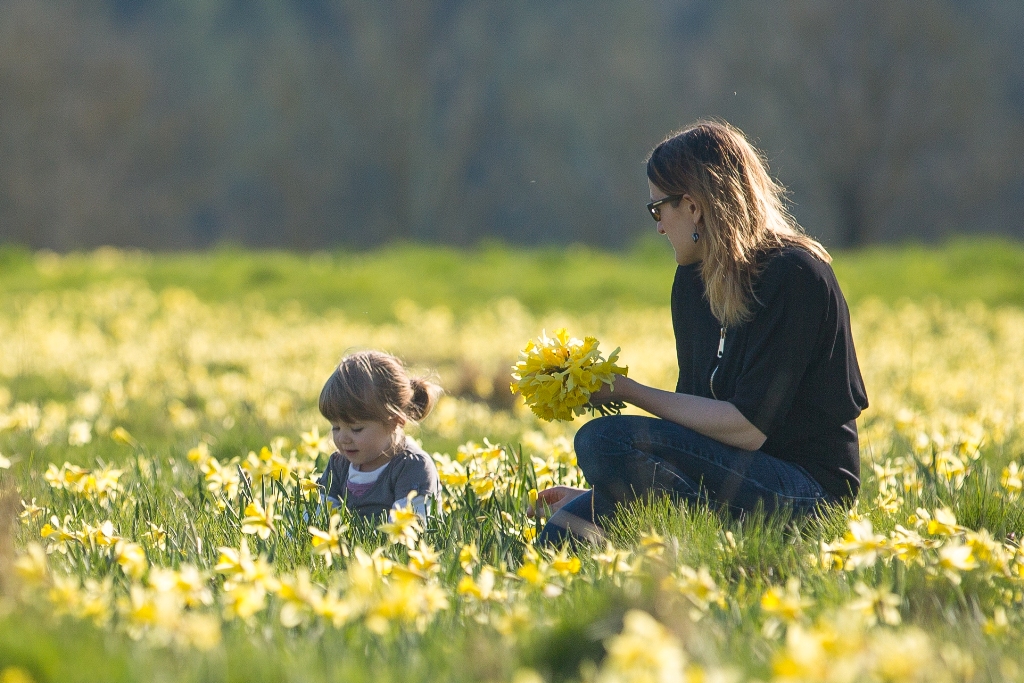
(793,257)
(794,266)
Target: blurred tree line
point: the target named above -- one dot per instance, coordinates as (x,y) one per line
(316,123)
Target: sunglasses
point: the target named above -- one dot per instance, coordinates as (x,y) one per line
(655,206)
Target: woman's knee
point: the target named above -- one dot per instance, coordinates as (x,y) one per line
(593,444)
(596,435)
(606,452)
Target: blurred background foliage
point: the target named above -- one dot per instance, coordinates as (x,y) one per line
(310,124)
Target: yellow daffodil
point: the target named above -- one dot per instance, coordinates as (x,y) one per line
(312,444)
(565,565)
(556,376)
(188,584)
(132,558)
(652,543)
(299,595)
(698,587)
(243,600)
(122,436)
(95,601)
(269,463)
(1012,479)
(876,604)
(200,454)
(955,558)
(482,587)
(805,656)
(785,604)
(79,433)
(644,651)
(337,610)
(59,534)
(201,631)
(534,571)
(424,559)
(907,545)
(15,674)
(65,593)
(221,479)
(156,535)
(612,560)
(32,566)
(259,520)
(860,547)
(469,557)
(102,536)
(328,543)
(404,524)
(531,573)
(942,522)
(451,472)
(406,600)
(30,511)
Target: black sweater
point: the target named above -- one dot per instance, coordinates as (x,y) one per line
(791,370)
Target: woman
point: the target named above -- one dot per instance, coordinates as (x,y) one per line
(764,412)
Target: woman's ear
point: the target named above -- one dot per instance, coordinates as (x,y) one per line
(691,208)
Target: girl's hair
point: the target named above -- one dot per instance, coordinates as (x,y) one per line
(374,386)
(743,211)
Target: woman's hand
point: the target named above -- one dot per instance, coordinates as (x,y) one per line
(554,498)
(606,394)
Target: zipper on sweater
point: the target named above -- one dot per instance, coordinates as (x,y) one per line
(721,350)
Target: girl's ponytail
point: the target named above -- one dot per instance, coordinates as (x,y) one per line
(424,397)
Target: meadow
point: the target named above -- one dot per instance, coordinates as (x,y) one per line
(159,435)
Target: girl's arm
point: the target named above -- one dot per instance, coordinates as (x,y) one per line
(719,420)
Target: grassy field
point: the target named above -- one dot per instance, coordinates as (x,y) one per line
(157,422)
(578,279)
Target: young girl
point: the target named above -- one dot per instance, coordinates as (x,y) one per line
(368,399)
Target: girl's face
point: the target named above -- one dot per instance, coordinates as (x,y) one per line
(678,223)
(366,444)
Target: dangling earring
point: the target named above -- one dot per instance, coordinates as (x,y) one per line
(696,236)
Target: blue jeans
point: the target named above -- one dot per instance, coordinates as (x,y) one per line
(625,457)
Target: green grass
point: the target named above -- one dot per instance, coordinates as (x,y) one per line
(365,285)
(987,270)
(564,633)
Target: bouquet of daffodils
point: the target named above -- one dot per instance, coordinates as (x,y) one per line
(556,376)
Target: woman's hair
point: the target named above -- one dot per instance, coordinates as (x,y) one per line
(374,386)
(743,211)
